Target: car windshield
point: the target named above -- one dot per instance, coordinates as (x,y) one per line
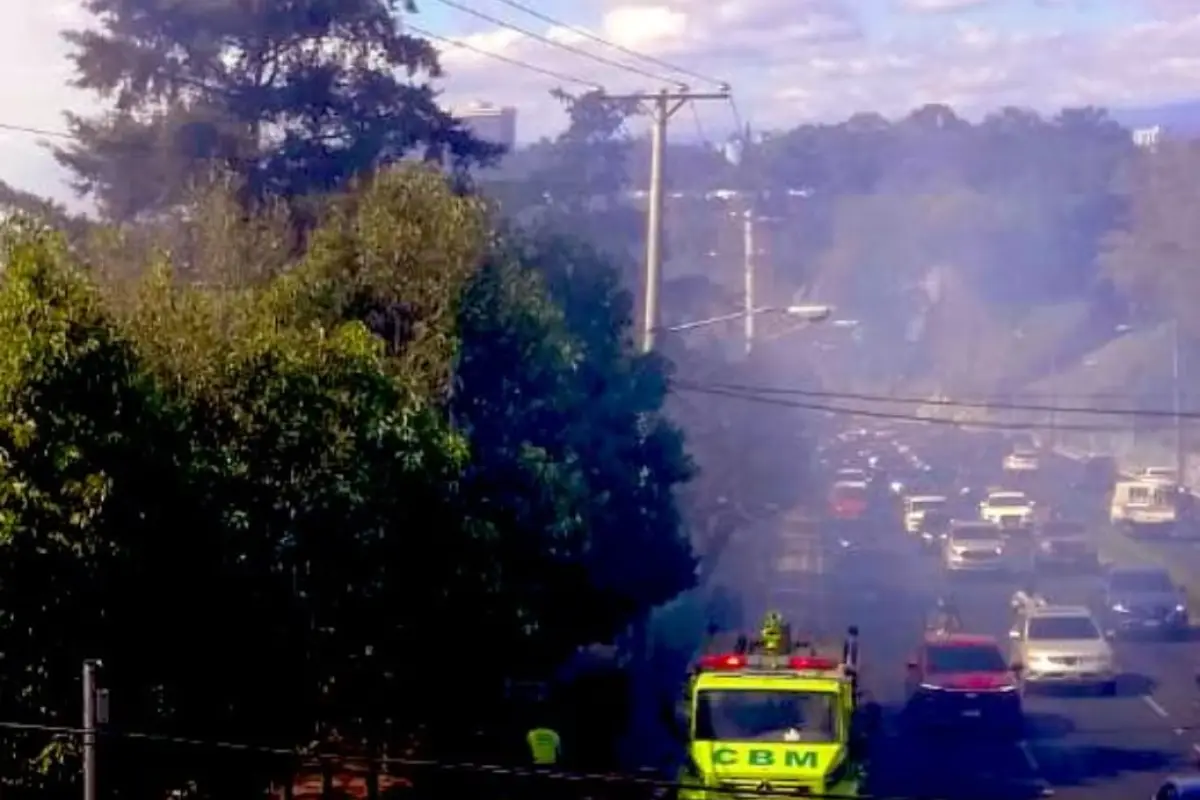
(1063,628)
(965,658)
(980,533)
(1007,500)
(1141,581)
(927,505)
(849,491)
(759,715)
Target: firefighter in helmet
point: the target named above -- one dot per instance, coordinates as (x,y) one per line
(774,633)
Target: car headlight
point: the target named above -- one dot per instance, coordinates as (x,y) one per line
(927,536)
(998,551)
(1180,608)
(1120,608)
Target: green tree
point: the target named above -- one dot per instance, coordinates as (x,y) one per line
(255,502)
(296,98)
(1152,255)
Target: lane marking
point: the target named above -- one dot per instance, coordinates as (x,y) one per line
(1031,761)
(1154,706)
(1029,758)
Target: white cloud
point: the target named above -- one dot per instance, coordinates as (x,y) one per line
(941,6)
(788,61)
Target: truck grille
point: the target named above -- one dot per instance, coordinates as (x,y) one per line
(767,788)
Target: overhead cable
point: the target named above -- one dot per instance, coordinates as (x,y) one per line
(586,34)
(516,62)
(895,416)
(474,12)
(947,403)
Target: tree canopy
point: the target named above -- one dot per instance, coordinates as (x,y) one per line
(296,98)
(254,499)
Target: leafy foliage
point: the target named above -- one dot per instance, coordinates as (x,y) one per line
(255,502)
(297,99)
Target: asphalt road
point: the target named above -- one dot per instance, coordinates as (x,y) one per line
(1074,745)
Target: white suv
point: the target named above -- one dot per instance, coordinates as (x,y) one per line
(1062,645)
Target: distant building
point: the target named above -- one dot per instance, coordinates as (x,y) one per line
(495,124)
(1147,138)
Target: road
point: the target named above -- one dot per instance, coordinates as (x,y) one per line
(1074,746)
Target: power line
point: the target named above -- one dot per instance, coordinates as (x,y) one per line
(551,42)
(11,128)
(516,62)
(894,416)
(585,33)
(643,777)
(965,404)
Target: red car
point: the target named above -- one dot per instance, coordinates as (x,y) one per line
(956,679)
(848,500)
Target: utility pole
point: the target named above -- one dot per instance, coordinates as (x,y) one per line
(661,106)
(748,267)
(93,712)
(1177,405)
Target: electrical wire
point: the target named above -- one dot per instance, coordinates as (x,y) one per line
(516,62)
(894,416)
(474,12)
(11,128)
(586,34)
(646,777)
(964,404)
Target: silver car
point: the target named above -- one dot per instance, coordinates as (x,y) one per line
(1062,645)
(974,547)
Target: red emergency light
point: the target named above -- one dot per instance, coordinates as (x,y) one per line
(735,661)
(812,663)
(725,661)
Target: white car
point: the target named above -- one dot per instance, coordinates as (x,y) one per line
(1007,509)
(974,547)
(1062,645)
(1163,475)
(916,507)
(1021,462)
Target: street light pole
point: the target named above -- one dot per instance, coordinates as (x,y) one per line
(808,313)
(1177,405)
(748,268)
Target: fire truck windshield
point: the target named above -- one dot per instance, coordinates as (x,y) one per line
(760,715)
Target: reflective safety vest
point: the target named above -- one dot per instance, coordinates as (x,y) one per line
(544,745)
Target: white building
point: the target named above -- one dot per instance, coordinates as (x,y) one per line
(1147,138)
(495,124)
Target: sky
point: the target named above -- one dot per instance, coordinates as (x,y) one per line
(785,61)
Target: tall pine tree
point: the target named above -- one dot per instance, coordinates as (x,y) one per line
(293,96)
